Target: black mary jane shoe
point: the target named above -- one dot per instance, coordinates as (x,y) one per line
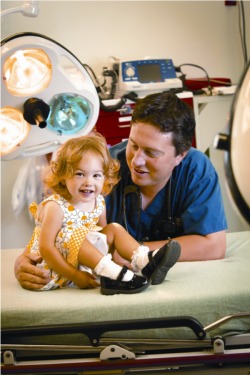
(160,264)
(136,285)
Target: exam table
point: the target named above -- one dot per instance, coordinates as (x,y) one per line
(197,320)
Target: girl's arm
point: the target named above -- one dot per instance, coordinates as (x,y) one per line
(51,218)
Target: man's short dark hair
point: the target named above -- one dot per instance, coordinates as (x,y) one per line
(170,114)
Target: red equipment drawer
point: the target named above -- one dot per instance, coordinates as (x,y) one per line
(115,126)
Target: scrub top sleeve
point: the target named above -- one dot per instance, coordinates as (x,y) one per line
(204,213)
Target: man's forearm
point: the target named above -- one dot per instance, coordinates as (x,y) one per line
(196,248)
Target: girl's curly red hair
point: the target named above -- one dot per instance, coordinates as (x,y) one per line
(69,155)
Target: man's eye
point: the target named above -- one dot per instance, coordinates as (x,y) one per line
(151,154)
(134,147)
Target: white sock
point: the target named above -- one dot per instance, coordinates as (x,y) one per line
(106,267)
(140,257)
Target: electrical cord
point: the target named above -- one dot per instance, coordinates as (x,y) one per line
(111,108)
(111,73)
(178,69)
(99,88)
(98,85)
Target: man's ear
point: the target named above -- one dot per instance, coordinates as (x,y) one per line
(180,157)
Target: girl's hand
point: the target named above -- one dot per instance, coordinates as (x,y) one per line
(85,280)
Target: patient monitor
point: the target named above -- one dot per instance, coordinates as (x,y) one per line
(147,76)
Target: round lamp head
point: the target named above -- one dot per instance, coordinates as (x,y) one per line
(45,84)
(13,129)
(27,72)
(69,113)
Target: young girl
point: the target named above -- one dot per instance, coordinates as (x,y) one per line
(71,229)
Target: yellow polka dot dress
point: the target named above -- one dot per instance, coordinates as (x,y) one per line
(75,227)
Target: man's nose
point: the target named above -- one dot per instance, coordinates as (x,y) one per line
(138,158)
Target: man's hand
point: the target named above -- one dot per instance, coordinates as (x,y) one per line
(28,274)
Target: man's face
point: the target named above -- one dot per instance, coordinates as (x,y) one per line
(151,156)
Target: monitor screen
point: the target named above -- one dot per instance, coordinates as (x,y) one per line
(149,73)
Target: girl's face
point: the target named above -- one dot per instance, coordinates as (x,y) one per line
(87,181)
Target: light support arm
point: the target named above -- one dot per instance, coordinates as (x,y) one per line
(28,9)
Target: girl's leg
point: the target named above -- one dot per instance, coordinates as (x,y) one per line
(154,265)
(88,255)
(126,246)
(103,265)
(120,240)
(114,278)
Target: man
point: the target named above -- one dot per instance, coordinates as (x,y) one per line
(177,184)
(167,188)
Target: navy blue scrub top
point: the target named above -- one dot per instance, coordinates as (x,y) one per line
(196,204)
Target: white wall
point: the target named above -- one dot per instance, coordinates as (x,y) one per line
(199,32)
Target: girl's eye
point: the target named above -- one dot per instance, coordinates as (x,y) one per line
(98,175)
(79,174)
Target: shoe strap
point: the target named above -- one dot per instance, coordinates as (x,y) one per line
(150,255)
(122,273)
(151,258)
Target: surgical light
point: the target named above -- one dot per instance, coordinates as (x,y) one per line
(236,144)
(13,128)
(45,85)
(27,72)
(69,113)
